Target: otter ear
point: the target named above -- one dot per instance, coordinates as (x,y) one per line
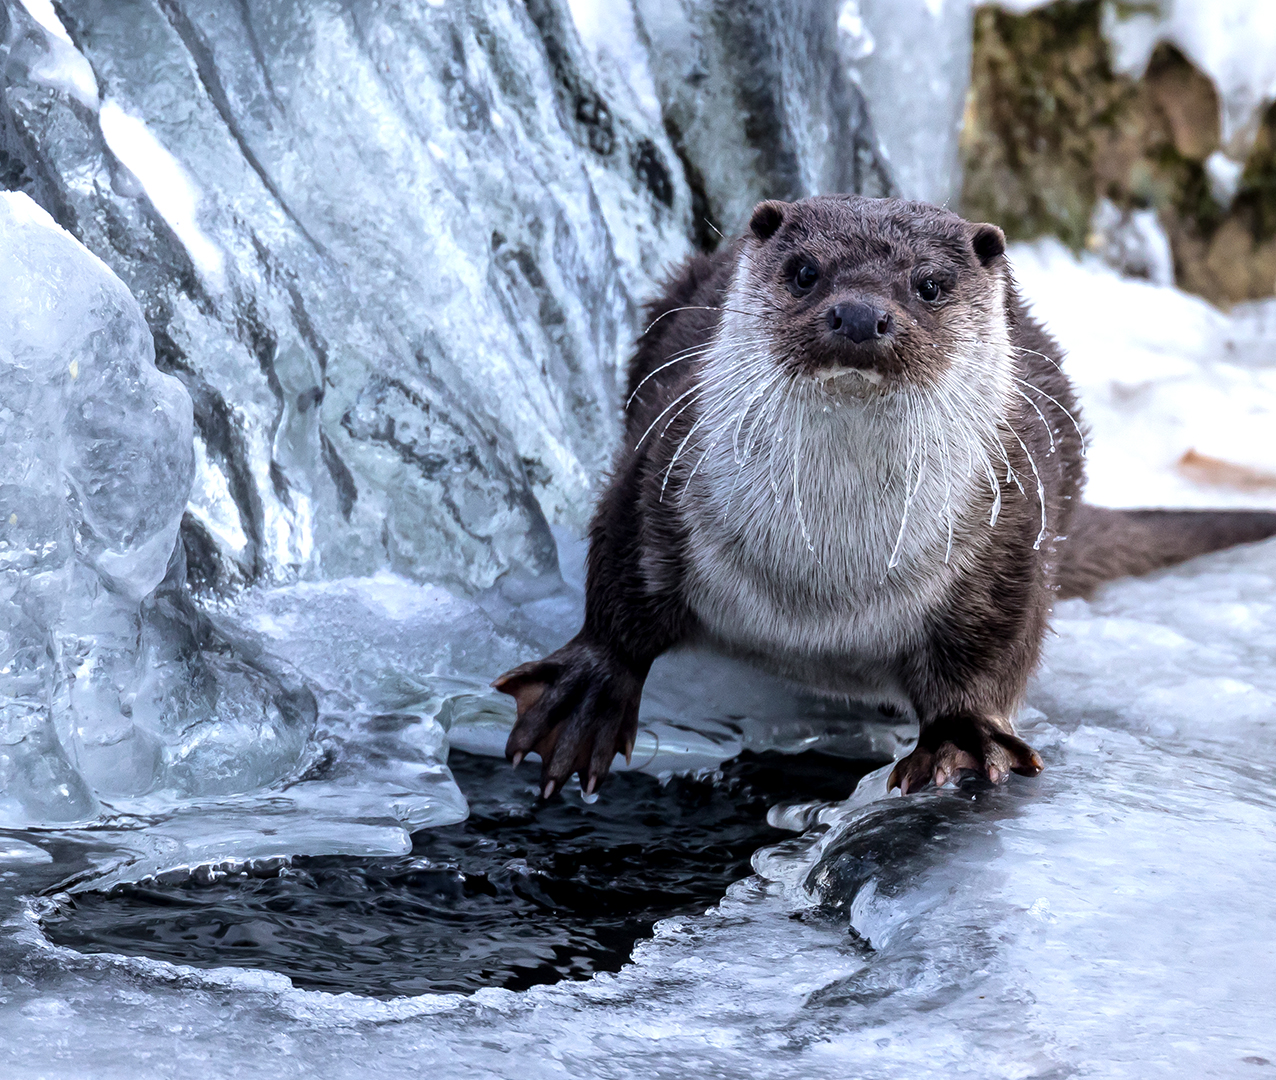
(767,217)
(988,242)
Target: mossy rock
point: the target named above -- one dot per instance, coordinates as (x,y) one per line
(1050,129)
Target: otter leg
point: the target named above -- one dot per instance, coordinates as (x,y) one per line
(577,709)
(964,742)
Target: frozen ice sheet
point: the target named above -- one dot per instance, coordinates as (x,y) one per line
(422,658)
(1103,919)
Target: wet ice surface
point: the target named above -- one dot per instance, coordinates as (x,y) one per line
(1105,919)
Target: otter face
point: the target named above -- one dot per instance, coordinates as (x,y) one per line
(869,295)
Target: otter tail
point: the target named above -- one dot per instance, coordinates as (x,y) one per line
(1104,544)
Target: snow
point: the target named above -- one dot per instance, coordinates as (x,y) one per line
(1180,397)
(1231,41)
(61,66)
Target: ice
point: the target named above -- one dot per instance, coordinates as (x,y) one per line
(167,185)
(436,224)
(759,104)
(119,696)
(56,62)
(1104,918)
(911,58)
(397,664)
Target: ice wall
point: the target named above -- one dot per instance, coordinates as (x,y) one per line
(758,103)
(393,252)
(911,60)
(396,253)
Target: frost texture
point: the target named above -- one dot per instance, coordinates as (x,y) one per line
(1102,919)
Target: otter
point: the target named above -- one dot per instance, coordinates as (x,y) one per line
(853,458)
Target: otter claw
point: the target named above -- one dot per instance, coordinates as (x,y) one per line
(576,709)
(963,744)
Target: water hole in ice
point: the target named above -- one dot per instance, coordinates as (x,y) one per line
(521,893)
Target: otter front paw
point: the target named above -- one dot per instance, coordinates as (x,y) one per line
(577,709)
(964,743)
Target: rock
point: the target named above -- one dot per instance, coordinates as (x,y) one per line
(758,103)
(1062,123)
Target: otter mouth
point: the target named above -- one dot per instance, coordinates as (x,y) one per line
(825,374)
(853,380)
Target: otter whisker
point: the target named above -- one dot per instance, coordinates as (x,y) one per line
(773,457)
(708,414)
(686,354)
(765,411)
(946,461)
(703,307)
(758,343)
(911,488)
(1041,491)
(697,388)
(1044,423)
(1033,352)
(1075,423)
(797,494)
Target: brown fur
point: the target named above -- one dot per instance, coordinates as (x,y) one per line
(961,660)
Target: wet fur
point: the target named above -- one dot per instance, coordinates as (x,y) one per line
(787,517)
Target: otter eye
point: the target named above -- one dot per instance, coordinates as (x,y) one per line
(928,289)
(805,278)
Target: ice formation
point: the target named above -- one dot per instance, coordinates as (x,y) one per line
(911,58)
(435,227)
(760,104)
(1104,918)
(114,688)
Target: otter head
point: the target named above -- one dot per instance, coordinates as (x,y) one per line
(870,295)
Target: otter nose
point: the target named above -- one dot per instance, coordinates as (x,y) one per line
(859,321)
